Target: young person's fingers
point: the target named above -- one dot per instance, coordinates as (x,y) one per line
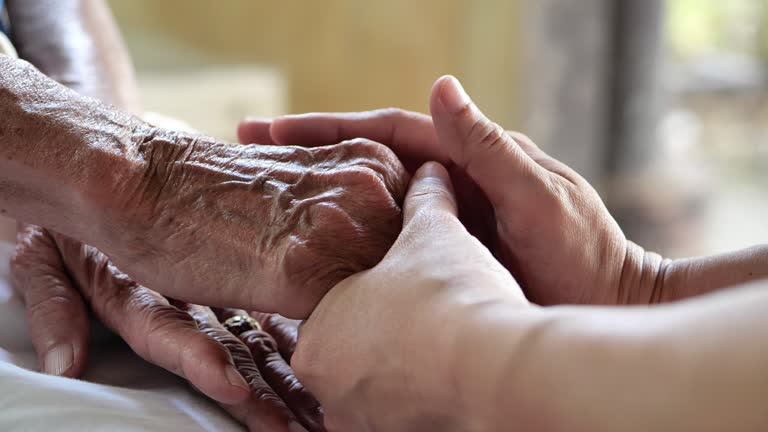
(491,157)
(410,135)
(255,131)
(431,192)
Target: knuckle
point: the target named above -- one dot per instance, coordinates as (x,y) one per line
(427,220)
(31,248)
(59,305)
(430,189)
(20,261)
(490,136)
(365,184)
(484,133)
(261,391)
(361,146)
(365,148)
(108,304)
(162,318)
(394,113)
(228,341)
(260,343)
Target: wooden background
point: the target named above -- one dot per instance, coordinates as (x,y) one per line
(344,55)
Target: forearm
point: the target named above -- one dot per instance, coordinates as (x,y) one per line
(77,43)
(695,366)
(58,148)
(695,276)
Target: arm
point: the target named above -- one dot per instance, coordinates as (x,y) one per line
(58,148)
(77,43)
(184,213)
(683,278)
(695,366)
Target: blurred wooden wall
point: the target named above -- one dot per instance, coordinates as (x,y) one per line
(350,54)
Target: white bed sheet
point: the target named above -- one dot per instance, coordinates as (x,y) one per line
(120,392)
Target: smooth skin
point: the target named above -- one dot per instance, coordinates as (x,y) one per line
(445,346)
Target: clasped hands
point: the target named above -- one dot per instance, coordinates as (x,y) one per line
(386,268)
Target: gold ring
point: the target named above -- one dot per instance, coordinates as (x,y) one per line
(240,324)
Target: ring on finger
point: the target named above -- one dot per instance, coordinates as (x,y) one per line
(239,324)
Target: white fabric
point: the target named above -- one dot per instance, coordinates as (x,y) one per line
(120,392)
(6,47)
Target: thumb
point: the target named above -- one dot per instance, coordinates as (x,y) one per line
(430,193)
(490,156)
(57,316)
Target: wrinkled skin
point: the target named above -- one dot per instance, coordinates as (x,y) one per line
(541,219)
(185,339)
(259,227)
(284,223)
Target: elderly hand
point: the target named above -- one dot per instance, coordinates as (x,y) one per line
(248,375)
(272,228)
(544,222)
(378,351)
(258,227)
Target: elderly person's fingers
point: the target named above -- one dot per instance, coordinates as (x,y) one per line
(264,410)
(56,314)
(154,329)
(283,330)
(275,369)
(491,157)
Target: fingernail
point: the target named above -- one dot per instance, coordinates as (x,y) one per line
(453,96)
(235,379)
(58,360)
(295,427)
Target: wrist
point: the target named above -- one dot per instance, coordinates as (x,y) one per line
(58,150)
(485,344)
(143,177)
(644,277)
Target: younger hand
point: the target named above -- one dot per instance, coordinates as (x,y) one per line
(541,219)
(379,351)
